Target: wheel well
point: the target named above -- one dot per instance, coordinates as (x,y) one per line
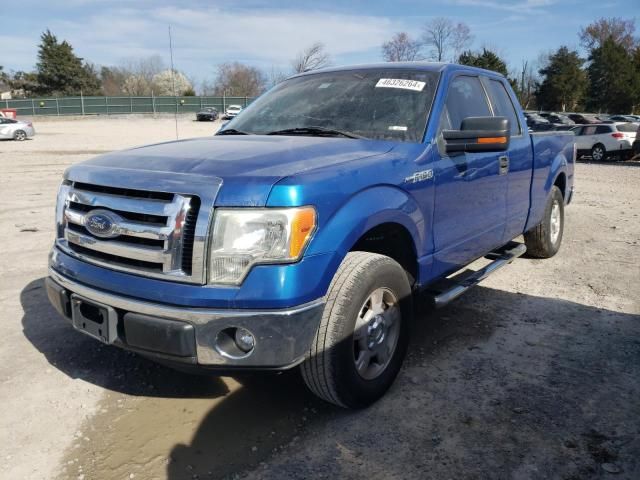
(561,183)
(394,241)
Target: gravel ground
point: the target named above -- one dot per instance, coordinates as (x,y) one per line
(534,374)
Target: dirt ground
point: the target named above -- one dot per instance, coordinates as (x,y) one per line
(534,374)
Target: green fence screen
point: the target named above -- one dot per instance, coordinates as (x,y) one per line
(118,105)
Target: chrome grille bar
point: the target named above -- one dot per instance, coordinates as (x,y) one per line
(120,249)
(127,204)
(125,227)
(147,236)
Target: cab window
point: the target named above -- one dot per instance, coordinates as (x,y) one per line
(502,104)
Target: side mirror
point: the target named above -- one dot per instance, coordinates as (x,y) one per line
(479,134)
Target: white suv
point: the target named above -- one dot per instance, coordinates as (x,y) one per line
(602,140)
(232,111)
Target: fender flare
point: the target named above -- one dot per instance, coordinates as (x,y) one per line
(558,167)
(365,210)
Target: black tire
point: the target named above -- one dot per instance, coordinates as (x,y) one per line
(330,369)
(541,241)
(598,152)
(19,135)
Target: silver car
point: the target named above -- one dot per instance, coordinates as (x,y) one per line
(16,129)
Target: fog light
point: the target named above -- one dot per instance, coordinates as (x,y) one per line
(244,340)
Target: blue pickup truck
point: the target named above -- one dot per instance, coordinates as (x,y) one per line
(298,235)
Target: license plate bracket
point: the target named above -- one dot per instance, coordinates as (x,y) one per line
(94,319)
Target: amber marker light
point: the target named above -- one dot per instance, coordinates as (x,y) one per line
(303,225)
(492,140)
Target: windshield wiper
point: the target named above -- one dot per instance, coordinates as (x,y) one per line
(320,131)
(232,131)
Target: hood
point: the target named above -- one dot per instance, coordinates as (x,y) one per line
(248,165)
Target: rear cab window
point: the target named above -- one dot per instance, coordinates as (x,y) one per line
(502,104)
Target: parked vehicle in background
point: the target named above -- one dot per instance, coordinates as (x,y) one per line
(560,119)
(16,129)
(559,127)
(583,119)
(538,123)
(604,140)
(622,118)
(636,143)
(298,234)
(207,114)
(232,111)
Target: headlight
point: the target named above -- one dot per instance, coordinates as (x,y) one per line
(244,237)
(61,204)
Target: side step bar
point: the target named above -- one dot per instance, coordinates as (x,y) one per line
(500,258)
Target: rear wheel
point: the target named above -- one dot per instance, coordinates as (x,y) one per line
(20,135)
(543,240)
(362,338)
(598,152)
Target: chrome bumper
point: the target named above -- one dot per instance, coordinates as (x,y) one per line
(282,337)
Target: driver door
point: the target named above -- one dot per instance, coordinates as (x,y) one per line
(470,199)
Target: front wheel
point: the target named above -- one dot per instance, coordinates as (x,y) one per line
(362,338)
(543,240)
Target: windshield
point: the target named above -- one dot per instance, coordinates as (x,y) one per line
(380,104)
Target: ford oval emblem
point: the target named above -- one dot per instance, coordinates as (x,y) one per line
(102,223)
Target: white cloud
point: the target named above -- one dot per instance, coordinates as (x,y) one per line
(522,6)
(203,37)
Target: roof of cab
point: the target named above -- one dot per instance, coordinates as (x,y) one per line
(421,65)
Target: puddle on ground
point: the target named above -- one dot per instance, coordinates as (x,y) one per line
(237,424)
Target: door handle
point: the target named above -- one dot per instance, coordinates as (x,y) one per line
(504,164)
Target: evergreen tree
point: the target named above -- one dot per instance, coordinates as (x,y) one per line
(485,59)
(61,72)
(611,79)
(564,82)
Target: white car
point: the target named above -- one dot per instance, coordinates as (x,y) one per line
(16,129)
(602,140)
(232,111)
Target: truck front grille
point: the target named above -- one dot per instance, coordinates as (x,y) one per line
(137,231)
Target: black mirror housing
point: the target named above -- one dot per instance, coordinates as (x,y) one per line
(479,134)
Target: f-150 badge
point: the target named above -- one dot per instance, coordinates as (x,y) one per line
(419,176)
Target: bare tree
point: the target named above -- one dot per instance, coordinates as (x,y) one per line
(238,80)
(113,80)
(144,69)
(528,83)
(445,37)
(620,30)
(461,38)
(311,58)
(275,75)
(401,48)
(437,34)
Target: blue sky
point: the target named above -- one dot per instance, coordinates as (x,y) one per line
(268,34)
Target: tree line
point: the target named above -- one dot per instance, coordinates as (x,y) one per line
(606,79)
(60,72)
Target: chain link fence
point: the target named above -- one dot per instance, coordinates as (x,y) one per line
(119,105)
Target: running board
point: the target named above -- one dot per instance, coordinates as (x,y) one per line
(457,287)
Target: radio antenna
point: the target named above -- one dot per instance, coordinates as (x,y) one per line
(173,82)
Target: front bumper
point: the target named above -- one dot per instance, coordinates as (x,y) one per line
(193,335)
